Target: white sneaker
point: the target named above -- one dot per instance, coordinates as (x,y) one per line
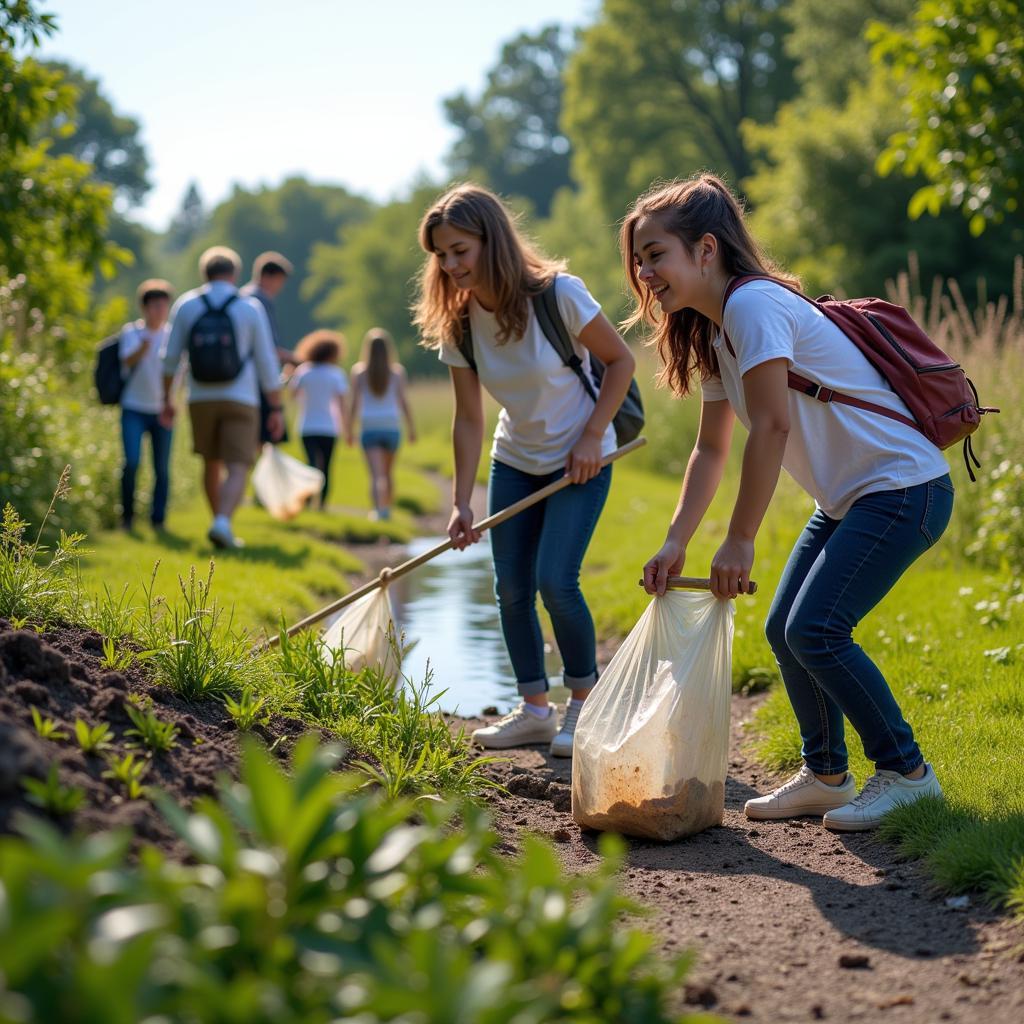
(881,793)
(805,793)
(222,537)
(561,745)
(519,728)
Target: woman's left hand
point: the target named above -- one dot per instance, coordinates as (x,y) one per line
(730,568)
(584,460)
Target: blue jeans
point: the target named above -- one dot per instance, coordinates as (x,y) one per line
(134,425)
(542,549)
(838,571)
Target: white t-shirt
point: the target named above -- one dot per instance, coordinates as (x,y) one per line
(544,405)
(143,389)
(835,452)
(321,387)
(260,371)
(380,412)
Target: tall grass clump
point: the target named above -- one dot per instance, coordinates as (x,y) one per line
(43,589)
(192,646)
(307,900)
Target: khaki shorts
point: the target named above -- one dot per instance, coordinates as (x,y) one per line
(225,431)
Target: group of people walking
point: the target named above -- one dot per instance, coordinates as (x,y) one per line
(224,343)
(882,491)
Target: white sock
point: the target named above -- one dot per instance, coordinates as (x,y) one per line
(222,524)
(540,712)
(574,703)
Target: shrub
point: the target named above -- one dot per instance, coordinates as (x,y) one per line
(311,902)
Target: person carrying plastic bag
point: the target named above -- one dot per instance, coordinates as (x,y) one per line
(652,741)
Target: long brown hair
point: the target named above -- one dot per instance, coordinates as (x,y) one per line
(702,204)
(378,359)
(510,267)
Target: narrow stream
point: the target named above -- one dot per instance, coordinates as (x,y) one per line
(446,609)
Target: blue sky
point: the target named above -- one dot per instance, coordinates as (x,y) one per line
(347,91)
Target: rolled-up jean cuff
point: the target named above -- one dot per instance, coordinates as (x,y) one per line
(533,687)
(580,682)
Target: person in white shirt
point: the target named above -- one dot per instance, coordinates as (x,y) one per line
(379,403)
(481,274)
(320,385)
(141,349)
(882,491)
(225,414)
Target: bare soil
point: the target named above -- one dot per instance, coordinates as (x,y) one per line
(789,922)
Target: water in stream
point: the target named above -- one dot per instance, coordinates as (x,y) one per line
(446,609)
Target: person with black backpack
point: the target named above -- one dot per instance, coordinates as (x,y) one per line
(814,403)
(140,348)
(227,343)
(497,312)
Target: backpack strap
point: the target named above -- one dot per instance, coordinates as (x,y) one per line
(803,384)
(545,307)
(465,343)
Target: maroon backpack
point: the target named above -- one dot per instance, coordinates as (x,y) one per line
(941,398)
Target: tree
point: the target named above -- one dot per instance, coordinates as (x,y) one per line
(189,222)
(660,88)
(97,135)
(53,216)
(510,135)
(293,218)
(959,67)
(368,277)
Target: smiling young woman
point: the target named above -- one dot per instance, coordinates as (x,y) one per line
(477,287)
(882,490)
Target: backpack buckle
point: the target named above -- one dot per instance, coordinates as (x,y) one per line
(820,392)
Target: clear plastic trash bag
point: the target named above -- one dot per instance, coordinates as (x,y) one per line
(365,630)
(282,484)
(651,747)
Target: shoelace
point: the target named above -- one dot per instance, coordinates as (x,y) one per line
(572,714)
(874,787)
(799,779)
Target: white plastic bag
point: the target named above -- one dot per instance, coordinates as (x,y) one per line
(652,743)
(365,630)
(283,484)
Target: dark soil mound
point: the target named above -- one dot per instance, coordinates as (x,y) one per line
(60,673)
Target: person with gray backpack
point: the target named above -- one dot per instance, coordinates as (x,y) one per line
(227,342)
(506,319)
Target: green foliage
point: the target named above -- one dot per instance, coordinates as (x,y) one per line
(52,795)
(367,278)
(510,136)
(150,732)
(248,710)
(130,774)
(112,617)
(659,88)
(191,646)
(29,587)
(46,728)
(114,658)
(92,739)
(959,67)
(308,902)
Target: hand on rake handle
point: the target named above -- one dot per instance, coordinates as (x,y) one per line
(461,529)
(730,568)
(584,459)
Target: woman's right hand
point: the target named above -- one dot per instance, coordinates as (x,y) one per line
(667,562)
(460,527)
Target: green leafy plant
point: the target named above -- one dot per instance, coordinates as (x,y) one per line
(192,646)
(130,774)
(248,710)
(92,739)
(47,728)
(112,616)
(113,658)
(31,587)
(51,794)
(307,899)
(150,731)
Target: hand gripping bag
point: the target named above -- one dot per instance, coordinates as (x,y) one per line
(651,746)
(283,484)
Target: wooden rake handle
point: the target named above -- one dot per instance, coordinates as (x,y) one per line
(387,575)
(696,583)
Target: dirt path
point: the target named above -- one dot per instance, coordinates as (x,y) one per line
(790,922)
